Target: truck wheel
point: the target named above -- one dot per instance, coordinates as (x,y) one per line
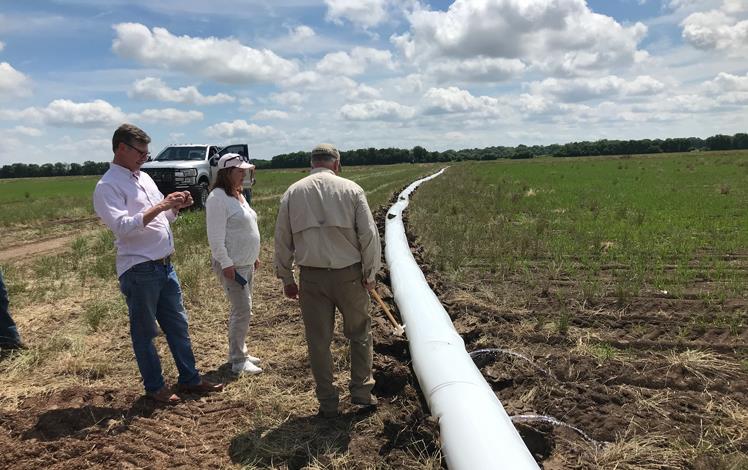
(201,195)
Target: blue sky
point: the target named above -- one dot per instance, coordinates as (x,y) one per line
(284,75)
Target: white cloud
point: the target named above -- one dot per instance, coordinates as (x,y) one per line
(155,89)
(456,100)
(302,33)
(269,114)
(356,62)
(581,89)
(12,82)
(723,28)
(27,131)
(241,129)
(726,82)
(315,81)
(536,104)
(365,13)
(728,89)
(169,115)
(377,110)
(478,69)
(223,60)
(66,113)
(363,92)
(94,114)
(245,104)
(289,98)
(733,98)
(560,35)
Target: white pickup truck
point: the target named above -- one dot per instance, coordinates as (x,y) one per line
(192,167)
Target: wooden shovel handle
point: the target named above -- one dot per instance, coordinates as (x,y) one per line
(386,309)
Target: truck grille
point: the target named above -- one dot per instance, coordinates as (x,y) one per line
(160,175)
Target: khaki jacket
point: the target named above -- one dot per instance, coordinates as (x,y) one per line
(324,221)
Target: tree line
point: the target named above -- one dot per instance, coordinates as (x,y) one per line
(32,170)
(418,154)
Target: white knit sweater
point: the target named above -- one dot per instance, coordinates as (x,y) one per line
(233,235)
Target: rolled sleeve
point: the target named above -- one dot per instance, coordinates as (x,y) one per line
(215,220)
(284,245)
(109,206)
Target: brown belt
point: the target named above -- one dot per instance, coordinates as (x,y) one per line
(315,268)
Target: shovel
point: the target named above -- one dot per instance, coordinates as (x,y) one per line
(399,330)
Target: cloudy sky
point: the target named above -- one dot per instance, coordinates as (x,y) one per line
(283,75)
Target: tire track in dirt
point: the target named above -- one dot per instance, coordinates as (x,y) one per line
(60,243)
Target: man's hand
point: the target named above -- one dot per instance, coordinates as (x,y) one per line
(257,264)
(291,291)
(187,200)
(369,285)
(229,273)
(173,201)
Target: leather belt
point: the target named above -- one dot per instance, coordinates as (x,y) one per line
(165,261)
(315,268)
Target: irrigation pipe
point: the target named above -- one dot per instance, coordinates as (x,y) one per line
(475,431)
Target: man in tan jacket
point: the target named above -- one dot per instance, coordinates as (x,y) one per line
(325,224)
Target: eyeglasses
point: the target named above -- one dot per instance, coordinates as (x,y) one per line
(142,153)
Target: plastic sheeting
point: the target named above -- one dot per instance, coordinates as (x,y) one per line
(476,433)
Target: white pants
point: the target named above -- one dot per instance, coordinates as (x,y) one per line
(240,311)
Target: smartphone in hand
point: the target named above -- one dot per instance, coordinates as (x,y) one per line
(240,279)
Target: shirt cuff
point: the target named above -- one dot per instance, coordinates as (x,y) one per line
(138,219)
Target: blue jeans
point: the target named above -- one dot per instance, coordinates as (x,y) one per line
(153,295)
(8,331)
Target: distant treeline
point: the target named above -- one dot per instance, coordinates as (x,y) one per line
(372,156)
(31,170)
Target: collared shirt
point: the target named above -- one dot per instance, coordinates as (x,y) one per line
(324,221)
(120,199)
(233,235)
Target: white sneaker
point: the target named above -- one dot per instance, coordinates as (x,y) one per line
(254,360)
(246,367)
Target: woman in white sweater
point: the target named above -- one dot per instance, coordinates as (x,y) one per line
(234,240)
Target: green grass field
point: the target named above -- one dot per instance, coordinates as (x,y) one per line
(655,222)
(28,200)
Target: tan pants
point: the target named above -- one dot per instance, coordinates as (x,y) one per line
(320,291)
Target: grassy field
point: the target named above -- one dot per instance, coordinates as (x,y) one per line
(28,200)
(654,223)
(622,281)
(617,286)
(77,386)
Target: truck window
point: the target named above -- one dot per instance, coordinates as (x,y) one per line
(238,149)
(181,153)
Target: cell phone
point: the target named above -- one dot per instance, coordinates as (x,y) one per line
(240,279)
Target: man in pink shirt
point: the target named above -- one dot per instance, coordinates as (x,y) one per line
(129,203)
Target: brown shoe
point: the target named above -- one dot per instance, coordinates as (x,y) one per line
(164,395)
(327,414)
(205,386)
(370,401)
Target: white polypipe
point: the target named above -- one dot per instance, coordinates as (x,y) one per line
(475,431)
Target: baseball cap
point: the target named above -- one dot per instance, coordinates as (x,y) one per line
(231,160)
(326,149)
